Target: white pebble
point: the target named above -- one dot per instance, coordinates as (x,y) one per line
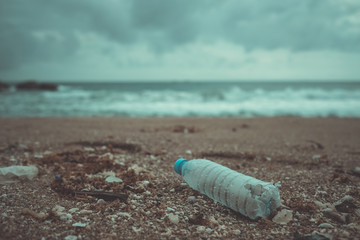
(112,179)
(70,237)
(326,225)
(173,218)
(79,224)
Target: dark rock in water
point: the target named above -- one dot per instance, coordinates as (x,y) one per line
(33,85)
(4,86)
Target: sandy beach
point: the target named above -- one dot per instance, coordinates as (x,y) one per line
(314,159)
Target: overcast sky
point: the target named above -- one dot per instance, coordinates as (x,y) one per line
(179,40)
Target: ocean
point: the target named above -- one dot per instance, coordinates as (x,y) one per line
(148,99)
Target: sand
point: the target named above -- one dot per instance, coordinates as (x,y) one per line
(314,160)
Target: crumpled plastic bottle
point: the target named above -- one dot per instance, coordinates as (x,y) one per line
(244,194)
(15,173)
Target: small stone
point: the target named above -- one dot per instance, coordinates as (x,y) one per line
(72,210)
(66,217)
(70,237)
(283,217)
(356,171)
(173,218)
(188,152)
(200,229)
(79,224)
(329,213)
(237,232)
(208,230)
(316,156)
(112,179)
(326,225)
(84,211)
(169,209)
(125,214)
(89,149)
(267,159)
(191,199)
(135,229)
(100,201)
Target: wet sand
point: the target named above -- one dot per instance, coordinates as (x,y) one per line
(312,158)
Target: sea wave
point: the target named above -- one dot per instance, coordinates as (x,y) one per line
(229,101)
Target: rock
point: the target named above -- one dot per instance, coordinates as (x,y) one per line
(326,225)
(346,205)
(85,212)
(191,199)
(70,237)
(356,171)
(173,218)
(329,213)
(4,86)
(33,85)
(72,210)
(79,224)
(315,236)
(283,217)
(112,179)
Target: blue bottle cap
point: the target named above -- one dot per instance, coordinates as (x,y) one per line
(178,165)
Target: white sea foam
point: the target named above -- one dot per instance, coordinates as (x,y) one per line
(220,101)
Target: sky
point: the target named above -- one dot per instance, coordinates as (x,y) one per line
(167,40)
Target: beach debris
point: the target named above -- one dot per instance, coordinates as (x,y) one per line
(198,219)
(112,179)
(15,173)
(129,147)
(356,171)
(183,129)
(283,217)
(79,224)
(173,218)
(315,144)
(346,205)
(107,196)
(36,215)
(314,236)
(254,194)
(71,237)
(325,225)
(332,214)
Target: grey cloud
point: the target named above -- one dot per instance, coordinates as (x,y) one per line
(164,25)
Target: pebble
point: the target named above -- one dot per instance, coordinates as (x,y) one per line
(283,217)
(200,229)
(326,225)
(89,149)
(72,210)
(79,224)
(70,237)
(173,218)
(169,209)
(237,232)
(66,217)
(356,171)
(84,211)
(112,179)
(191,199)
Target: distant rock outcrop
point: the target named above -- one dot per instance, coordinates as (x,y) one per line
(33,85)
(4,86)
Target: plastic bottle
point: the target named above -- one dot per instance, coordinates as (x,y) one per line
(244,194)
